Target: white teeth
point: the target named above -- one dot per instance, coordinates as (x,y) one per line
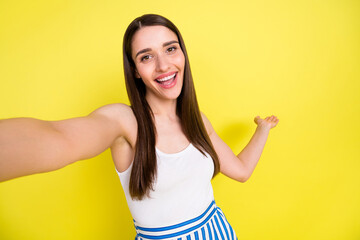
(166,78)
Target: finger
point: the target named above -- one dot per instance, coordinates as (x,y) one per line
(275,123)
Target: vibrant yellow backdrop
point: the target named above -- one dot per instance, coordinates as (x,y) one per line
(298,60)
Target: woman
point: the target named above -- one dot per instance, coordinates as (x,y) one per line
(165,151)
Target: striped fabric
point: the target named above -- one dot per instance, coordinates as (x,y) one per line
(210,225)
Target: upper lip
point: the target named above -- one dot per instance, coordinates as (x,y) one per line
(165,75)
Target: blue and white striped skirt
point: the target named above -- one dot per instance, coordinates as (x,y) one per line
(210,225)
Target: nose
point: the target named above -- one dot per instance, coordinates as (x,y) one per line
(162,63)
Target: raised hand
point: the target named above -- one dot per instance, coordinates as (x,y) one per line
(268,122)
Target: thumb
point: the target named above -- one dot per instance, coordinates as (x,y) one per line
(256,119)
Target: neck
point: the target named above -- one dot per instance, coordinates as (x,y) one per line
(162,107)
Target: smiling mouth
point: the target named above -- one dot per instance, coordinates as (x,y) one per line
(166,81)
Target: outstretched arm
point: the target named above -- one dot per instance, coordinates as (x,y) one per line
(29,145)
(241,167)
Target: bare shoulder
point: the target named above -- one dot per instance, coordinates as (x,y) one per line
(122,149)
(121,116)
(114,110)
(207,123)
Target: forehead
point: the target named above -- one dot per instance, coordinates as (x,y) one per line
(151,37)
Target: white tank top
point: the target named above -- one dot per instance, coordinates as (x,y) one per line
(182,189)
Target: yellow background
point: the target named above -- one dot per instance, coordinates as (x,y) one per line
(298,60)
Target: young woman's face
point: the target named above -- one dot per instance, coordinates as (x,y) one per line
(159,61)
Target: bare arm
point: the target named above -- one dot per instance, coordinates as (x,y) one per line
(29,145)
(241,167)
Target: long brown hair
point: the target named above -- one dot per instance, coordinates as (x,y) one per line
(144,167)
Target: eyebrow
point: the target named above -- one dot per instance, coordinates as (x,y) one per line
(149,49)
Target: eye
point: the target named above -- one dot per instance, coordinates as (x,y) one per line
(171,49)
(145,58)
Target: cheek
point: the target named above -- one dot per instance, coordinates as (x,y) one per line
(181,61)
(181,66)
(143,71)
